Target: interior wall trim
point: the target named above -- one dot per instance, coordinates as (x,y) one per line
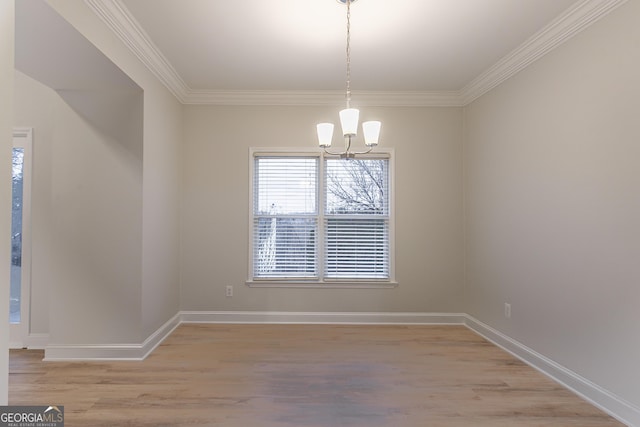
(324,98)
(577,18)
(322,318)
(610,403)
(112,352)
(120,21)
(574,20)
(37,341)
(133,352)
(615,406)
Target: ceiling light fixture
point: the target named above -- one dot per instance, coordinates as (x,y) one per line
(349,116)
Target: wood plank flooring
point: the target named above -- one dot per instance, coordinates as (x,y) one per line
(305,376)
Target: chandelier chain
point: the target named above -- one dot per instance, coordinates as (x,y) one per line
(349,116)
(348,53)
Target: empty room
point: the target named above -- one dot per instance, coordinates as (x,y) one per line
(321,212)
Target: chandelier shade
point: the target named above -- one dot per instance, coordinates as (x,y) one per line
(325,134)
(371,132)
(349,121)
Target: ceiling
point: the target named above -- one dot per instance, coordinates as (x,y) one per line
(408,52)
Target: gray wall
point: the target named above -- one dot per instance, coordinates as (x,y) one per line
(161,166)
(96,191)
(86,224)
(162,136)
(553,206)
(105,194)
(428,205)
(161,208)
(33,108)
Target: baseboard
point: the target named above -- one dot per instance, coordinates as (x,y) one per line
(111,352)
(615,406)
(322,318)
(155,339)
(32,342)
(134,352)
(37,341)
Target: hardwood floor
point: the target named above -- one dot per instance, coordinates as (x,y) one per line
(304,376)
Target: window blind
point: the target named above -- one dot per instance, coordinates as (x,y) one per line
(285,223)
(356,219)
(356,248)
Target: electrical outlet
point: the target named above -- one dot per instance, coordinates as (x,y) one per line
(507,310)
(229,291)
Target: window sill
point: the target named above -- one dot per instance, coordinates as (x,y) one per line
(338,284)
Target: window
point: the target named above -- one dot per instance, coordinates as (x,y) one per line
(20,278)
(320,219)
(16,234)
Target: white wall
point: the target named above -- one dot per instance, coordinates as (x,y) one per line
(7,11)
(553,206)
(428,184)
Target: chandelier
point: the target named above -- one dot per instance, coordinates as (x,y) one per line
(349,116)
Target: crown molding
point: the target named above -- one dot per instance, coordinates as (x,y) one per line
(360,98)
(575,19)
(578,17)
(120,21)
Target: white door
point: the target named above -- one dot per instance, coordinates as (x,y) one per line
(20,238)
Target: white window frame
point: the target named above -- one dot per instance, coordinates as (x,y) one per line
(321,282)
(19,332)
